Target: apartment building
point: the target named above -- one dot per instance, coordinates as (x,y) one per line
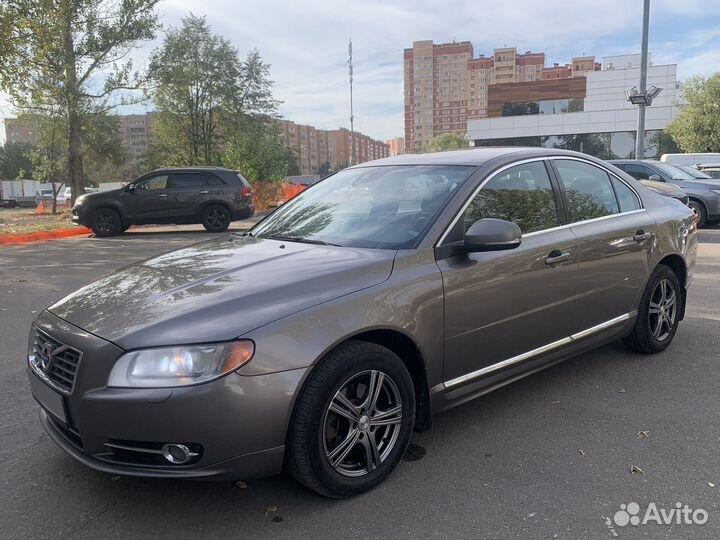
(19,130)
(136,133)
(396,146)
(332,148)
(445,84)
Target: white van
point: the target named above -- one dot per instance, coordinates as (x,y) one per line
(691,159)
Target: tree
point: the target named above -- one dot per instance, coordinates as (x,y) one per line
(71,55)
(696,128)
(205,95)
(15,160)
(258,153)
(446,141)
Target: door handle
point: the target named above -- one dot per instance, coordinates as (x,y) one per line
(204,192)
(163,195)
(641,236)
(556,256)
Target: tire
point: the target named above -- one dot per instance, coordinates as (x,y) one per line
(106,222)
(646,336)
(124,228)
(318,434)
(216,218)
(700,211)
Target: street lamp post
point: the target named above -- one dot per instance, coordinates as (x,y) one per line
(640,136)
(352,117)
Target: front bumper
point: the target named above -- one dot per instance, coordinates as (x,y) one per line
(238,423)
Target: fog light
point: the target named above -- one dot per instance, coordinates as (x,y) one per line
(177,453)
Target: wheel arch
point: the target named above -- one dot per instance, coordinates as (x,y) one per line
(677,264)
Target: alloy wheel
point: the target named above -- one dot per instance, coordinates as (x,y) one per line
(362,423)
(663,309)
(104,222)
(216,218)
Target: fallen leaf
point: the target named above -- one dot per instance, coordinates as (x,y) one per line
(634,469)
(21,280)
(241,484)
(581,452)
(277,519)
(711,484)
(621,391)
(555,402)
(270,508)
(114,478)
(641,434)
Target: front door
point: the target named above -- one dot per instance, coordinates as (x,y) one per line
(615,235)
(500,305)
(148,201)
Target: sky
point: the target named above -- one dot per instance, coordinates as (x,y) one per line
(305,42)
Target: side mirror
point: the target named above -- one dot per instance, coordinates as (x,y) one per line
(492,234)
(655,178)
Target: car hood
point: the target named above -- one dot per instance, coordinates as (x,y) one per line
(218,290)
(698,184)
(98,195)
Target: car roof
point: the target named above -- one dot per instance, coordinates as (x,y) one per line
(472,157)
(194,168)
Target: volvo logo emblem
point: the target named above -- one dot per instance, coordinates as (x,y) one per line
(44,361)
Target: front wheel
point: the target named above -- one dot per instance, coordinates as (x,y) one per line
(106,222)
(658,314)
(216,218)
(352,422)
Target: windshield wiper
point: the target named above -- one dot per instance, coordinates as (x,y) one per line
(302,240)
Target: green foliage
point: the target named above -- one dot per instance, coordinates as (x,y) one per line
(697,127)
(68,58)
(207,96)
(15,161)
(259,154)
(446,141)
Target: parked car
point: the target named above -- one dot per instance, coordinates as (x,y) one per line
(691,159)
(212,196)
(325,335)
(46,195)
(710,169)
(668,190)
(704,194)
(694,172)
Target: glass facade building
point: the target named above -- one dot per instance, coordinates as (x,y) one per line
(616,145)
(546,106)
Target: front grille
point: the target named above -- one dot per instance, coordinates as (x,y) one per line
(54,361)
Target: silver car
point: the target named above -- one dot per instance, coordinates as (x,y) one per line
(351,315)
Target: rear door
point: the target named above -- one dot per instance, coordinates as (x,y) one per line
(615,236)
(187,191)
(502,305)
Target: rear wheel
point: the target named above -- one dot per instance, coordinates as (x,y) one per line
(700,211)
(353,421)
(106,222)
(216,218)
(658,313)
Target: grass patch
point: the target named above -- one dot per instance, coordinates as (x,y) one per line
(23,220)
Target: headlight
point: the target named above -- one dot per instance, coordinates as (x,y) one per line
(179,366)
(717,191)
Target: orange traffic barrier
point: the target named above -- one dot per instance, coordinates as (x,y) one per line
(26,238)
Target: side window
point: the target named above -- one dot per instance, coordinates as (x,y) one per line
(212,180)
(522,194)
(155,183)
(639,172)
(588,189)
(626,196)
(185,180)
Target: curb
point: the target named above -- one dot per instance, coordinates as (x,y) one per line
(39,236)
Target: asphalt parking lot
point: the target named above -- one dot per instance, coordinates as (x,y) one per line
(547,457)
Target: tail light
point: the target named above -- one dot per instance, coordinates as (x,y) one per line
(246,191)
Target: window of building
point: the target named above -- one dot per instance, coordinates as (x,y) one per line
(588,189)
(522,194)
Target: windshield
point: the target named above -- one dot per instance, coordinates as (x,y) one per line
(374,207)
(693,172)
(672,171)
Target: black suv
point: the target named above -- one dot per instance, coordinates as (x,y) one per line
(212,196)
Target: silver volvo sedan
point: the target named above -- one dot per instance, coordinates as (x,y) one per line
(347,318)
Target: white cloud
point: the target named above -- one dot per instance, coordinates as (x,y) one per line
(305,41)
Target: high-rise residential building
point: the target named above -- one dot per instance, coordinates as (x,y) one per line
(396,146)
(19,130)
(316,148)
(445,84)
(136,133)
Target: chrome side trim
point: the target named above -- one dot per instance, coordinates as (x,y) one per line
(535,352)
(578,223)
